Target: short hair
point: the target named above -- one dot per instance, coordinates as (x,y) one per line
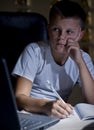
(68,9)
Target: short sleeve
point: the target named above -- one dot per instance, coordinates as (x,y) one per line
(27,64)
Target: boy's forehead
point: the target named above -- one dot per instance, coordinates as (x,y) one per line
(63,20)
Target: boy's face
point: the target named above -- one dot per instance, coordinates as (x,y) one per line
(61,30)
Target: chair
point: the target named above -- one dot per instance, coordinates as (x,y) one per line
(18,29)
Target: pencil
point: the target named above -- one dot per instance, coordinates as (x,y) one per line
(56,93)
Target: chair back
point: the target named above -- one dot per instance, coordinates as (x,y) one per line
(17,29)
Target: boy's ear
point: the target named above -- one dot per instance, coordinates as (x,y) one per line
(81,35)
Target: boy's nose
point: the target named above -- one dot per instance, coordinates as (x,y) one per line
(62,35)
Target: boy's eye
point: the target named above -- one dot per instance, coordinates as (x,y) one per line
(56,29)
(69,31)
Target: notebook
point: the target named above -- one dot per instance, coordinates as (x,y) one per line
(11,119)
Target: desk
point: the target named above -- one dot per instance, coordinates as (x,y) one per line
(73,123)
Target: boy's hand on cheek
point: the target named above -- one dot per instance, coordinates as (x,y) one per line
(73,50)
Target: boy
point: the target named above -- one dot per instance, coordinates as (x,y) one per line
(60,63)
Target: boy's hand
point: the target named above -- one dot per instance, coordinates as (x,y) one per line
(58,109)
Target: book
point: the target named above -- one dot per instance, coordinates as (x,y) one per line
(85,111)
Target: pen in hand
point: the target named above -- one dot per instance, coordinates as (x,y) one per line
(53,89)
(56,93)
